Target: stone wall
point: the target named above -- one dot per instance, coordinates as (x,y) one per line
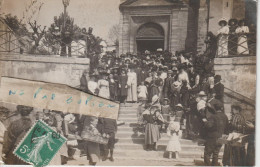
(239,77)
(42,68)
(179,20)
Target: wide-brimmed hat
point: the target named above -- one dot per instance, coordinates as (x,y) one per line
(179,105)
(174,69)
(222,20)
(159,50)
(169,71)
(202,93)
(127,59)
(155,98)
(232,21)
(166,99)
(176,84)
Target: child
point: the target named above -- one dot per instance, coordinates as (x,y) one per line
(174,132)
(142,92)
(166,111)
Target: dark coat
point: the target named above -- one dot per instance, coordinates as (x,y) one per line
(219,89)
(167,86)
(109,125)
(122,80)
(216,126)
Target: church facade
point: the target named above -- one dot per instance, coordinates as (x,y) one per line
(172,25)
(153,24)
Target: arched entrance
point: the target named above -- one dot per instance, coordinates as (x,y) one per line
(150,36)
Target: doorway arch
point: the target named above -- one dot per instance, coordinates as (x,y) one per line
(150,36)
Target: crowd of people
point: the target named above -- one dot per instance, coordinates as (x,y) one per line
(178,94)
(82,133)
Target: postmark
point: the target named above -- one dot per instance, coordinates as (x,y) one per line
(39,145)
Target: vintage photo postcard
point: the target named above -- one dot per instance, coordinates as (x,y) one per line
(128,82)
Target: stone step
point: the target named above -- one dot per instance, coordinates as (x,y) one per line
(134,154)
(162,141)
(128,104)
(124,134)
(127,111)
(134,115)
(125,128)
(128,120)
(183,161)
(160,147)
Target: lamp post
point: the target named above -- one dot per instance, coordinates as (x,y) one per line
(65,4)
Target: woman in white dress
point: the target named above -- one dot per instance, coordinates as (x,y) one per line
(103,86)
(92,84)
(242,30)
(132,86)
(223,38)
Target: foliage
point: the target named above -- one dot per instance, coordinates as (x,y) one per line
(72,32)
(16,25)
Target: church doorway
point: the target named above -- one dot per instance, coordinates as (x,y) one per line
(150,36)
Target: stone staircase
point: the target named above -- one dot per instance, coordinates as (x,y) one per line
(130,145)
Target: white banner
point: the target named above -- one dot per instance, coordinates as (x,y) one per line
(55,97)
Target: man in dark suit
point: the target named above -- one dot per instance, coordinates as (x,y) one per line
(109,127)
(216,125)
(219,88)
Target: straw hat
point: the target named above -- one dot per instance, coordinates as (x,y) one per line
(202,93)
(222,20)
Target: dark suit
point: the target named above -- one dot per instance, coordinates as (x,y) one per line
(216,125)
(219,89)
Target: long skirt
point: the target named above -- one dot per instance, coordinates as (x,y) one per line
(104,92)
(222,46)
(132,93)
(242,47)
(234,156)
(152,133)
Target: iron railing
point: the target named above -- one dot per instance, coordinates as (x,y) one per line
(231,45)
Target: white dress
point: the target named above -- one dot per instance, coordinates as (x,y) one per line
(142,92)
(103,86)
(223,41)
(92,86)
(174,142)
(242,47)
(132,87)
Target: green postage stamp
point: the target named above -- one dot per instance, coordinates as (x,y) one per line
(39,145)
